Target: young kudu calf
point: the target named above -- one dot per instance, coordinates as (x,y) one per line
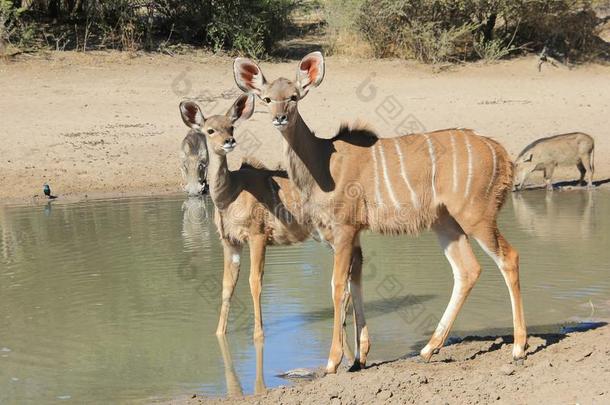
(252,204)
(453,181)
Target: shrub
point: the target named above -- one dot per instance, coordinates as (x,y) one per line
(428,30)
(249,27)
(13,30)
(441,30)
(342,36)
(567,28)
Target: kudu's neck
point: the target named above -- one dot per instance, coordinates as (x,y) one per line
(223,186)
(308,157)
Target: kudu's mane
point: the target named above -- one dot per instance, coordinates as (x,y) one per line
(356,131)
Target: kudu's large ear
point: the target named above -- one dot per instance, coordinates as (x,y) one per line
(248,76)
(310,72)
(242,109)
(191,114)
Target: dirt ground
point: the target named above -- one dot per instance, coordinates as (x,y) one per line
(562,368)
(107,124)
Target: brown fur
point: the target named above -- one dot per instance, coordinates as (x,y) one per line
(253,205)
(453,181)
(545,154)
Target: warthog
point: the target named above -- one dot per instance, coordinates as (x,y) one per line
(194,168)
(560,150)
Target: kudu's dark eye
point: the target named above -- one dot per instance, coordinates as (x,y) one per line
(210,131)
(267,100)
(294,97)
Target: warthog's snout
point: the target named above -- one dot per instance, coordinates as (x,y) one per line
(195,189)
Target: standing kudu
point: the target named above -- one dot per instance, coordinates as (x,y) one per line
(357,181)
(253,205)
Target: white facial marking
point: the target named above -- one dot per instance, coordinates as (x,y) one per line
(285,100)
(495,163)
(433,162)
(469,178)
(403,173)
(455,172)
(387,177)
(378,199)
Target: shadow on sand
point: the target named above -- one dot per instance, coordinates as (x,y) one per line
(550,334)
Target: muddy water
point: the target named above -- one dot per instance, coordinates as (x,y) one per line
(116,301)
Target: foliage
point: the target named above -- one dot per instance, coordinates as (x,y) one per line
(12,28)
(249,27)
(341,18)
(442,30)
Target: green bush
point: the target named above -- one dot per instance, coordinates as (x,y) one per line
(341,18)
(13,30)
(250,27)
(444,30)
(567,28)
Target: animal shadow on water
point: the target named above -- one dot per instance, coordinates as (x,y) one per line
(375,308)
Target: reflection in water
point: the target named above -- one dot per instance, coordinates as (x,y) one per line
(118,300)
(196,219)
(234,388)
(549,215)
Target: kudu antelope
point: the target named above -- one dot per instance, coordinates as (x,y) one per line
(252,204)
(357,181)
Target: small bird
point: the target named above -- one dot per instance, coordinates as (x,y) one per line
(47,191)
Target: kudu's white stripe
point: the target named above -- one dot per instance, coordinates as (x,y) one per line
(386,177)
(494,162)
(455,172)
(433,163)
(469,178)
(378,199)
(403,173)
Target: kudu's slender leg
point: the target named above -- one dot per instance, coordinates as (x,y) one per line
(257,265)
(347,350)
(361,334)
(232,259)
(343,244)
(466,271)
(507,260)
